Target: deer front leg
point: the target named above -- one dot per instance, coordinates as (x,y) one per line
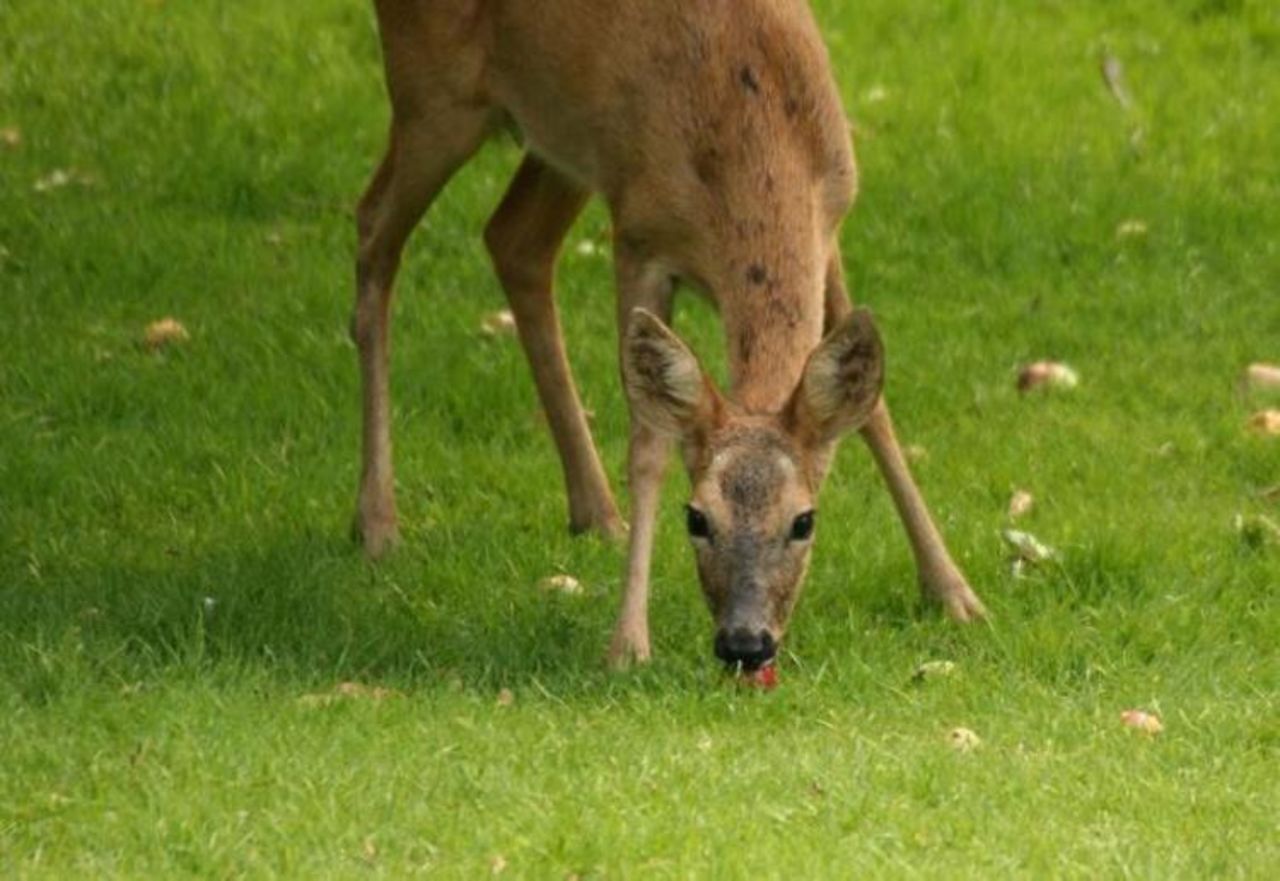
(523,238)
(940,578)
(645,286)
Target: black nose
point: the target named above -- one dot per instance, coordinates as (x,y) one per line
(741,646)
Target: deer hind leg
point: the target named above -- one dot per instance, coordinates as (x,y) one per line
(940,578)
(524,237)
(426,147)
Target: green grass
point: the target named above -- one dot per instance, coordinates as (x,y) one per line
(175,572)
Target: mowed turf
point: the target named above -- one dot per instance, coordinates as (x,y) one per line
(179,597)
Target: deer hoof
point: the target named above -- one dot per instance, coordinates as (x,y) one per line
(378,536)
(628,648)
(608,526)
(956,597)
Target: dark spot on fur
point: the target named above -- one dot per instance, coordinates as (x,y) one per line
(746,344)
(790,107)
(757,274)
(706,165)
(747,77)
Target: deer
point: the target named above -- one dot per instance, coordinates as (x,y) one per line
(714,133)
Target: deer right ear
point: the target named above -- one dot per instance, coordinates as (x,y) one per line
(842,381)
(666,385)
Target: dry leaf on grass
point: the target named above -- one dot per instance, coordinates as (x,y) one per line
(1047,374)
(506,697)
(1261,377)
(915,453)
(164,332)
(1020,504)
(963,739)
(1113,76)
(1265,422)
(933,670)
(348,691)
(1141,720)
(11,137)
(500,323)
(498,864)
(561,583)
(63,177)
(1027,547)
(1133,228)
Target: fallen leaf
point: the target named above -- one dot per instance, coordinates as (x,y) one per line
(498,864)
(63,177)
(1027,547)
(369,849)
(500,323)
(347,691)
(1261,377)
(1047,374)
(915,453)
(11,137)
(1141,720)
(506,697)
(561,583)
(875,94)
(933,670)
(1113,76)
(165,332)
(1265,422)
(1020,504)
(963,739)
(1131,229)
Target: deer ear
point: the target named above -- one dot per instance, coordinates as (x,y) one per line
(666,385)
(841,382)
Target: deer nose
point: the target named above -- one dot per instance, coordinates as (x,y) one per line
(751,649)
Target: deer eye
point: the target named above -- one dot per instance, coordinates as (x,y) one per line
(696,522)
(802,527)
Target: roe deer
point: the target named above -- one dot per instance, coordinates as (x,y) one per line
(714,133)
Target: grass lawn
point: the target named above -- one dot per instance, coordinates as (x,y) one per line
(178,594)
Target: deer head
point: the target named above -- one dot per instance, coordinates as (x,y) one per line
(752,516)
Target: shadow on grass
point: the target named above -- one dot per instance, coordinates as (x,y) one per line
(305,609)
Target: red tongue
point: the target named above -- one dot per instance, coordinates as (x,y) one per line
(765,677)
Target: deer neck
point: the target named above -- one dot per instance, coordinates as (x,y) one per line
(771,303)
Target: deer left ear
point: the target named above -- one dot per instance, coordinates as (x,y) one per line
(666,385)
(841,383)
